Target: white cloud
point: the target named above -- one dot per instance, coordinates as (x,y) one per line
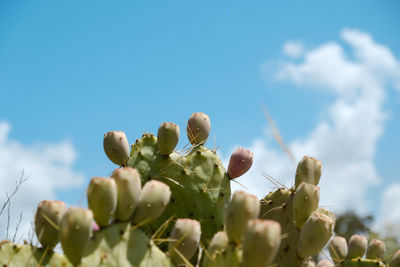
(390,216)
(293,49)
(346,137)
(50,168)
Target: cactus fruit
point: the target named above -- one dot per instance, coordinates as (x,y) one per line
(261,243)
(305,202)
(116,147)
(314,235)
(153,199)
(395,261)
(75,231)
(129,187)
(243,208)
(218,243)
(186,239)
(240,162)
(47,222)
(198,128)
(308,170)
(102,199)
(375,249)
(357,247)
(167,137)
(338,249)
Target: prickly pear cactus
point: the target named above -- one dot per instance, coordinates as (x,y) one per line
(159,206)
(306,228)
(126,223)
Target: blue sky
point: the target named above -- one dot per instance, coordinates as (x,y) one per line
(71,71)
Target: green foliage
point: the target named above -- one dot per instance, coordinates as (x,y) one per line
(349,223)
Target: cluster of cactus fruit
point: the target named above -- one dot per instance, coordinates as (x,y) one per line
(165,208)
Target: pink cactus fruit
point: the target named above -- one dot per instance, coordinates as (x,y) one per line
(198,128)
(95,227)
(240,162)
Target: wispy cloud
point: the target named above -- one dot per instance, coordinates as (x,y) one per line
(345,138)
(50,168)
(293,49)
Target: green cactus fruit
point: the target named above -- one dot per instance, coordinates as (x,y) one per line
(240,162)
(305,202)
(261,242)
(243,208)
(167,137)
(395,260)
(186,235)
(116,147)
(375,250)
(129,186)
(217,251)
(325,263)
(223,254)
(218,243)
(357,247)
(315,233)
(153,200)
(338,249)
(308,170)
(47,222)
(75,232)
(102,199)
(198,128)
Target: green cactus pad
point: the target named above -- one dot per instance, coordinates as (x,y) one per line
(16,255)
(198,181)
(119,245)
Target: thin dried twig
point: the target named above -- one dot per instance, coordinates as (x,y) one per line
(7,204)
(18,184)
(17,227)
(277,135)
(8,217)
